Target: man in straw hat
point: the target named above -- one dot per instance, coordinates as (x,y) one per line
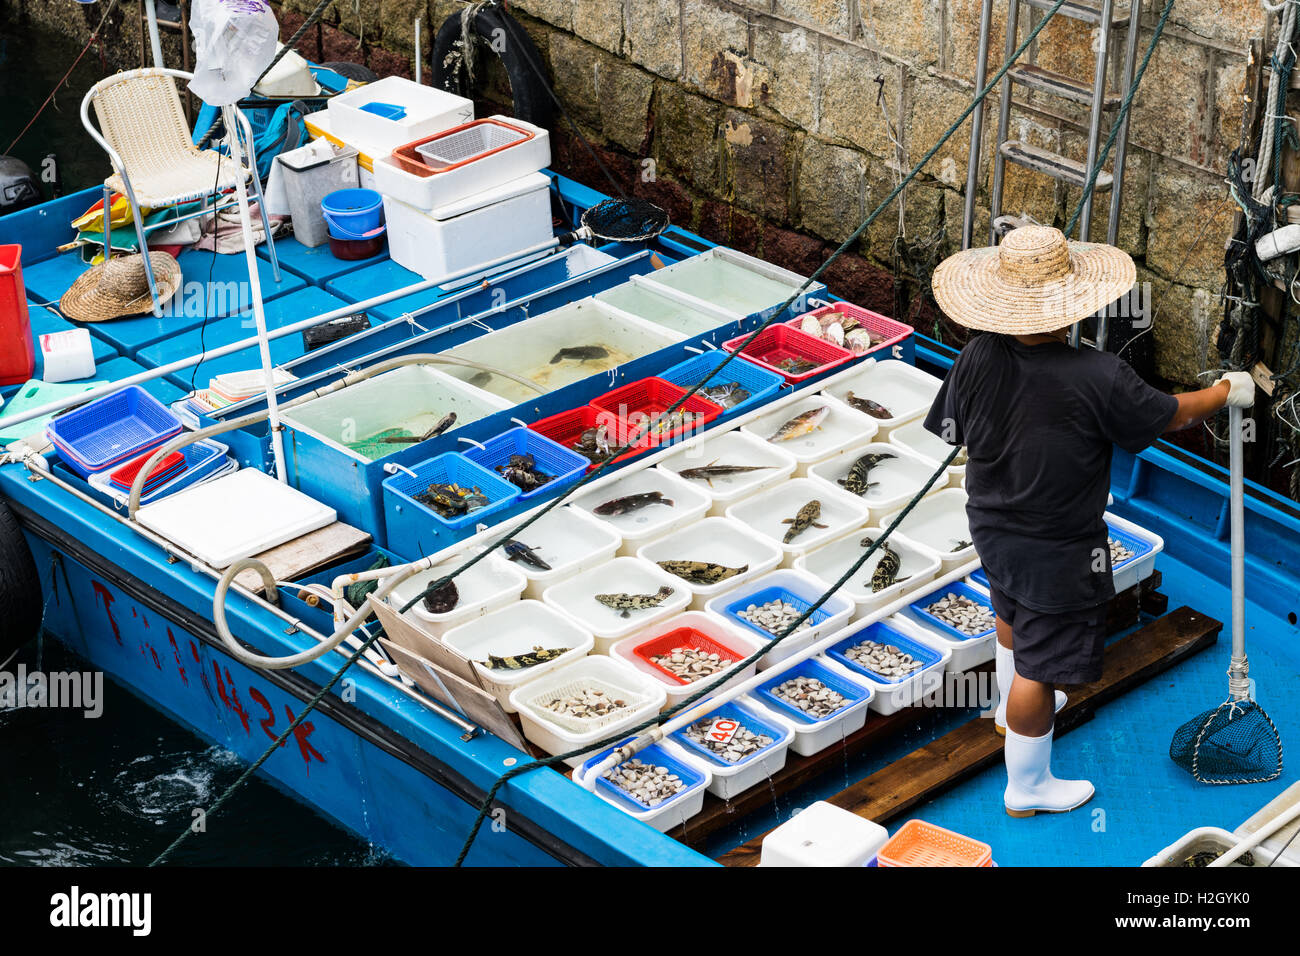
(1038,420)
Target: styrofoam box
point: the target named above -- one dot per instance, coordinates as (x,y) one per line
(744,645)
(734,447)
(488,585)
(766,512)
(893,696)
(842,429)
(675,810)
(830,561)
(570,541)
(429,110)
(429,192)
(797,585)
(651,521)
(517,628)
(897,479)
(732,779)
(471,231)
(645,697)
(904,389)
(913,436)
(823,835)
(812,736)
(935,525)
(576,598)
(718,541)
(1138,568)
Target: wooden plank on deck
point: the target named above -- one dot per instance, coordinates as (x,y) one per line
(970,748)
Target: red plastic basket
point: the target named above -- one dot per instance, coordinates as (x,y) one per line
(683,637)
(779,342)
(628,407)
(918,843)
(565,428)
(890,330)
(125,476)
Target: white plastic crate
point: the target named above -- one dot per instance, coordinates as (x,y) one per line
(570,541)
(842,429)
(829,562)
(794,587)
(713,630)
(735,447)
(936,525)
(556,734)
(718,541)
(823,835)
(925,444)
(733,779)
(892,696)
(651,521)
(765,513)
(428,110)
(903,389)
(576,598)
(517,628)
(488,585)
(897,479)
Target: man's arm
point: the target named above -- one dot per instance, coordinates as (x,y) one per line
(1234,388)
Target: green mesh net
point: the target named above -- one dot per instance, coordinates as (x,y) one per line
(1235,742)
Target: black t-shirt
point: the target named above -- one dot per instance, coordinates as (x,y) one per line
(1038,422)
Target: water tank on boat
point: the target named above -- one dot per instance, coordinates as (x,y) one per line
(18,185)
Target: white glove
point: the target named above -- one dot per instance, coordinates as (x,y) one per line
(1241,389)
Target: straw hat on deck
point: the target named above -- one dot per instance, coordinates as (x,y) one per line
(1034,281)
(119,287)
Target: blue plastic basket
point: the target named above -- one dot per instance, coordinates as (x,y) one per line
(1134,544)
(771,594)
(748,718)
(414,529)
(565,466)
(112,429)
(652,755)
(811,668)
(917,608)
(882,633)
(980,578)
(759,382)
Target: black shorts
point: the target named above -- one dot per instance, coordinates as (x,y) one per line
(1064,647)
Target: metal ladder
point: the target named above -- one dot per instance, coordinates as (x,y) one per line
(1094,95)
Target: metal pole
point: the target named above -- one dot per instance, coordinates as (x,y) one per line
(1004,120)
(152,15)
(418,64)
(976,128)
(255,284)
(1239,671)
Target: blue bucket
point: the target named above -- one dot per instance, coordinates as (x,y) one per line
(353,213)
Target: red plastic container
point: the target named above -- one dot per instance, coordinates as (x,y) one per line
(890,330)
(684,637)
(628,407)
(408,157)
(779,342)
(17,357)
(125,476)
(565,428)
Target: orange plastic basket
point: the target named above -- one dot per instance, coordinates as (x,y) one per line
(918,843)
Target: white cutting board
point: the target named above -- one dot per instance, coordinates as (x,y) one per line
(235,517)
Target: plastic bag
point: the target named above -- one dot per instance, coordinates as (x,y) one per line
(234,42)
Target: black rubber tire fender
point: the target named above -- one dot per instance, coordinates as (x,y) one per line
(21,608)
(514,47)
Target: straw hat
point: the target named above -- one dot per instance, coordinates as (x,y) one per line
(1035,281)
(119,287)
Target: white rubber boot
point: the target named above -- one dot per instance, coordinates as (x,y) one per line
(1031,788)
(1005,668)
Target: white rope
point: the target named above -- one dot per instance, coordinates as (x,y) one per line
(1264,165)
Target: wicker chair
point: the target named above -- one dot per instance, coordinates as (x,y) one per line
(155,162)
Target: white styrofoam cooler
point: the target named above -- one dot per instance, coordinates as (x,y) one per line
(428,110)
(470,231)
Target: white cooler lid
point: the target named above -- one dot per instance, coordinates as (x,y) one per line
(235,517)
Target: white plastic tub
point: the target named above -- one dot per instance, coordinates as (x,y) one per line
(730,280)
(570,541)
(903,389)
(766,512)
(651,521)
(528,348)
(488,585)
(829,562)
(823,835)
(556,734)
(890,695)
(812,736)
(1204,840)
(793,587)
(897,479)
(733,779)
(841,430)
(576,598)
(1146,543)
(935,526)
(636,297)
(966,653)
(413,397)
(428,110)
(914,437)
(717,541)
(688,629)
(517,628)
(735,447)
(470,231)
(675,810)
